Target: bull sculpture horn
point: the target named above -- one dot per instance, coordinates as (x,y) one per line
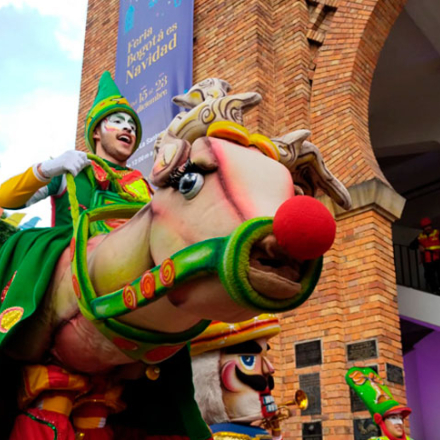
(308,169)
(211,88)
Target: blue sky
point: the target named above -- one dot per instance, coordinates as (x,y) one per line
(41,46)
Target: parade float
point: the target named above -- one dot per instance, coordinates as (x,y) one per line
(232,231)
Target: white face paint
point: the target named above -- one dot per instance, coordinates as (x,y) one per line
(395,420)
(118,121)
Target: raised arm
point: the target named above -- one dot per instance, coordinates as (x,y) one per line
(15,192)
(19,190)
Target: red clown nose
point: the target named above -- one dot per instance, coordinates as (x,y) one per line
(304,228)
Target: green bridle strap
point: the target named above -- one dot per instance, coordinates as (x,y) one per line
(192,262)
(226,256)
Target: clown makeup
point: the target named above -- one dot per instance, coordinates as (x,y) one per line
(395,420)
(115,137)
(118,121)
(394,426)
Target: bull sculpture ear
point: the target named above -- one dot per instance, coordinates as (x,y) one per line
(169,154)
(308,169)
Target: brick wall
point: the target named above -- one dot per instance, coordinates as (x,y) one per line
(99,55)
(239,51)
(341,86)
(313,62)
(355,301)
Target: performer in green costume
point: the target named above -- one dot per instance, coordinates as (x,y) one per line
(113,132)
(386,412)
(27,260)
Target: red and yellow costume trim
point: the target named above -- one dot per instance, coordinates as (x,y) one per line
(131,181)
(431,244)
(53,397)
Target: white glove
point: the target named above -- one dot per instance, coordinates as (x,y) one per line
(71,161)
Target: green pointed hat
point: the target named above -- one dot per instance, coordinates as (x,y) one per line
(108,100)
(370,387)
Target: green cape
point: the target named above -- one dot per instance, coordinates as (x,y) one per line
(31,255)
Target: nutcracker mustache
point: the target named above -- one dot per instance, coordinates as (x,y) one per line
(256,381)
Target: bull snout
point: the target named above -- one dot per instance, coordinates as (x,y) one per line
(304,228)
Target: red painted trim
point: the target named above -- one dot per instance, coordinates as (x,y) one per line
(58,196)
(53,206)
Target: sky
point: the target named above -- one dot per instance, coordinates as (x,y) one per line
(41,47)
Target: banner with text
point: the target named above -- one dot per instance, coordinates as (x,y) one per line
(153,64)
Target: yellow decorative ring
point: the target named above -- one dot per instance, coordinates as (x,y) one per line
(230,131)
(265,145)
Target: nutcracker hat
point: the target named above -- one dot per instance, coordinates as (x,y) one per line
(220,335)
(108,100)
(370,387)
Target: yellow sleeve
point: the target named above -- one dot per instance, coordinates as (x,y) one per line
(16,191)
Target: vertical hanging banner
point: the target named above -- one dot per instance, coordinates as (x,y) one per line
(153,64)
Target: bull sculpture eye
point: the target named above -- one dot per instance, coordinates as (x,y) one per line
(190,185)
(248,361)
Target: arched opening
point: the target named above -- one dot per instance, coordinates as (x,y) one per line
(404,122)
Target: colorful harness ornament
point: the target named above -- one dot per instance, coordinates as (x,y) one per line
(371,388)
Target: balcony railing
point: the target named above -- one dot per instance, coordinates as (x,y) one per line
(409,272)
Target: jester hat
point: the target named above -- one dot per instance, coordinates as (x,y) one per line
(370,387)
(220,335)
(108,100)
